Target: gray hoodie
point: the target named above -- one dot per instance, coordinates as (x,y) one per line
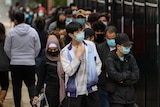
(22,45)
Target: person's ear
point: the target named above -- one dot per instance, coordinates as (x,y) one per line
(118,46)
(15,21)
(70,35)
(24,20)
(92,38)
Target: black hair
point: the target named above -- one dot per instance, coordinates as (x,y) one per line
(60,25)
(88,9)
(39,23)
(19,17)
(56,13)
(89,32)
(72,4)
(93,17)
(68,11)
(71,28)
(2,32)
(17,3)
(98,26)
(111,29)
(104,15)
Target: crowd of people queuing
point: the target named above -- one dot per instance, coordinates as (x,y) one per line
(80,59)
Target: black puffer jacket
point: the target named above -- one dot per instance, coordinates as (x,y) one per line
(124,74)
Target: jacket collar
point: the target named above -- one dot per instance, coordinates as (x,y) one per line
(70,45)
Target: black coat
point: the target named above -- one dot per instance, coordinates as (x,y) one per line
(4,60)
(124,74)
(47,73)
(103,51)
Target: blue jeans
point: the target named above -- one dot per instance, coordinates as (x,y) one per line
(104,98)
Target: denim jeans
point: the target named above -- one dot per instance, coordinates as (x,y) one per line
(104,98)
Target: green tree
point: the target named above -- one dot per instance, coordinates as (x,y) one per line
(54,2)
(43,2)
(60,2)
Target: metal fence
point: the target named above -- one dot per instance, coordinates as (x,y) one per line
(140,20)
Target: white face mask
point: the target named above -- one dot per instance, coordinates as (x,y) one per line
(27,10)
(74,12)
(87,17)
(105,23)
(31,13)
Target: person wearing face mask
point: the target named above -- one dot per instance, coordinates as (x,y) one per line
(51,73)
(59,24)
(41,13)
(122,70)
(69,16)
(103,51)
(82,65)
(104,18)
(74,9)
(81,18)
(99,29)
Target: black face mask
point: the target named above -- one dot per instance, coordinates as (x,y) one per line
(55,54)
(61,25)
(100,38)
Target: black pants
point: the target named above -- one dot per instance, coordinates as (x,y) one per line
(4,80)
(121,105)
(92,100)
(20,73)
(52,94)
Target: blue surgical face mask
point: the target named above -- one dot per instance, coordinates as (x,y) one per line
(27,16)
(80,37)
(40,14)
(68,20)
(80,20)
(126,50)
(111,42)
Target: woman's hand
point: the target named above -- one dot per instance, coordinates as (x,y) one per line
(35,100)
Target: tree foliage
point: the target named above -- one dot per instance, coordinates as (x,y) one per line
(54,2)
(60,2)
